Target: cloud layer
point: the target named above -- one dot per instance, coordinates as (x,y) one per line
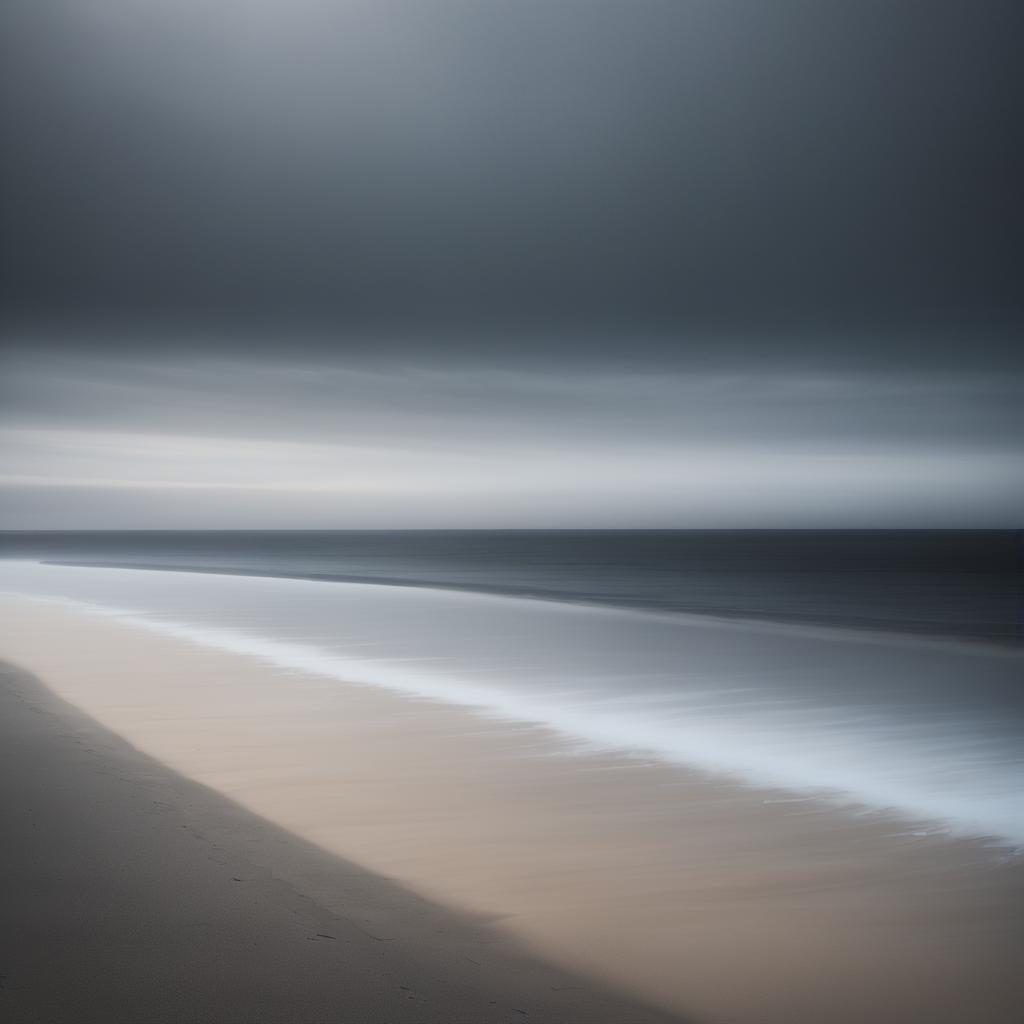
(175,442)
(532,263)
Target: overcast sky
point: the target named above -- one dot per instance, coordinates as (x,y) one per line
(493,263)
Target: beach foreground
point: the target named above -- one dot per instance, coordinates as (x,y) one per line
(131,894)
(206,871)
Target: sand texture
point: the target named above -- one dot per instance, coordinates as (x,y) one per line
(545,864)
(131,894)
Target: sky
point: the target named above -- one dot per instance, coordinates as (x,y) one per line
(543,263)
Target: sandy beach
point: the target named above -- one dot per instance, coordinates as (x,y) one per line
(133,894)
(511,511)
(345,853)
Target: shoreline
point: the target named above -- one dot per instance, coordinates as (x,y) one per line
(839,715)
(703,897)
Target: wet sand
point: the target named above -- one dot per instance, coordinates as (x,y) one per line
(710,900)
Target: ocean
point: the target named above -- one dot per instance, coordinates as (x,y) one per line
(949,582)
(882,669)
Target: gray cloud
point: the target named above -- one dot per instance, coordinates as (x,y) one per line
(551,262)
(594,166)
(306,401)
(331,444)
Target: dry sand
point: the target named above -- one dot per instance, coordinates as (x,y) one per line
(130,895)
(713,901)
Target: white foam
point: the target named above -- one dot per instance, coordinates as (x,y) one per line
(893,728)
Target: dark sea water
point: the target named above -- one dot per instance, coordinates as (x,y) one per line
(882,668)
(962,583)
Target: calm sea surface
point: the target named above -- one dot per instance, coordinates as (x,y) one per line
(966,582)
(882,668)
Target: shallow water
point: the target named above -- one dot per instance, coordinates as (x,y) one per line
(964,582)
(931,728)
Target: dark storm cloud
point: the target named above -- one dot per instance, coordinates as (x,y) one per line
(383,263)
(715,176)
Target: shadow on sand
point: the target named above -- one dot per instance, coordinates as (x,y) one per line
(133,894)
